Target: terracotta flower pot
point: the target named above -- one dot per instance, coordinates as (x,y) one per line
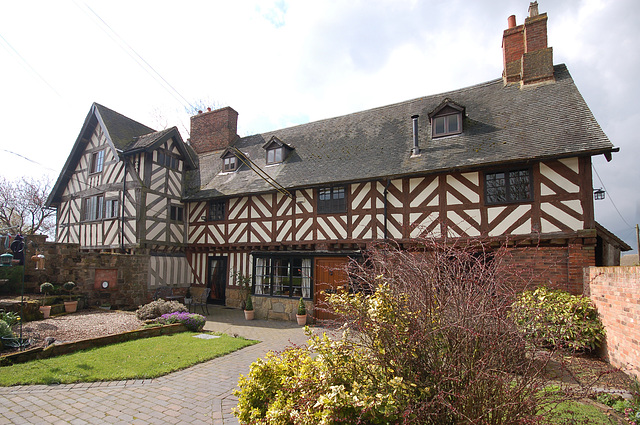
(249,314)
(302,319)
(46,311)
(70,306)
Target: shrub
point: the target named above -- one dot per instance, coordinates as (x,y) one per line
(556,318)
(9,317)
(14,277)
(427,340)
(249,304)
(302,309)
(5,329)
(193,322)
(157,308)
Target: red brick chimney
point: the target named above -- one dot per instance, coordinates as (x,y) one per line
(213,130)
(527,59)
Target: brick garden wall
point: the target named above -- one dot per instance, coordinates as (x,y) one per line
(616,293)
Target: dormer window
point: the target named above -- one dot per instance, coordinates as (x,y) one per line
(274,155)
(276,150)
(230,163)
(446,119)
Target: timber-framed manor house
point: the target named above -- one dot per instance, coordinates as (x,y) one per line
(508,159)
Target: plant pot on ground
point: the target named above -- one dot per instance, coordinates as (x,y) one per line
(70,306)
(301,317)
(248,309)
(45,288)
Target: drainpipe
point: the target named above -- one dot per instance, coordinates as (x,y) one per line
(124,196)
(416,148)
(386,190)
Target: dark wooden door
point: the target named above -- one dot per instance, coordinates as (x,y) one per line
(217,279)
(330,277)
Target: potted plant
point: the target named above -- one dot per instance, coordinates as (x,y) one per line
(301,317)
(105,306)
(72,305)
(248,308)
(188,299)
(45,309)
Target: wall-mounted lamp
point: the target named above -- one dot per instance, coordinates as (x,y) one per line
(598,194)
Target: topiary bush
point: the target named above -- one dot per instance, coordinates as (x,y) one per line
(157,308)
(193,322)
(555,318)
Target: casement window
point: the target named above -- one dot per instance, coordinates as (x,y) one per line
(217,210)
(176,212)
(97,162)
(282,276)
(275,155)
(229,163)
(111,208)
(510,186)
(446,125)
(93,208)
(168,161)
(332,200)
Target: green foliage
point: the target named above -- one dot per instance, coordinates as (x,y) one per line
(302,309)
(14,276)
(157,308)
(10,317)
(47,288)
(5,329)
(556,318)
(249,304)
(632,412)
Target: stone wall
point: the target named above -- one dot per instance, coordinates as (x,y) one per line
(272,308)
(616,293)
(65,262)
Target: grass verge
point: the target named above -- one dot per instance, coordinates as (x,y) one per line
(576,412)
(139,359)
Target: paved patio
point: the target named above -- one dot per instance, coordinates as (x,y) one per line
(202,394)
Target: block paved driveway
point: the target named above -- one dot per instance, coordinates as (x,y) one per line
(202,394)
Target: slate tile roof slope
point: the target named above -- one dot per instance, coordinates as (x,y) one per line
(122,130)
(503,124)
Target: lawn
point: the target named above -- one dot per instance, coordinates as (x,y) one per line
(139,359)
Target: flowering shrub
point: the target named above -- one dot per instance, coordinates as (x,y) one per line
(559,319)
(426,339)
(157,308)
(193,322)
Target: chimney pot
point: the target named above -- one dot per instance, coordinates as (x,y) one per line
(208,109)
(199,111)
(533,9)
(511,21)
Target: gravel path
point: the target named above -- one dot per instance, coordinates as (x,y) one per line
(81,325)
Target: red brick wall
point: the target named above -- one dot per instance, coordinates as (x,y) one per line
(558,267)
(535,33)
(213,130)
(616,293)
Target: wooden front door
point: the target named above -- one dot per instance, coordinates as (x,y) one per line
(217,279)
(330,277)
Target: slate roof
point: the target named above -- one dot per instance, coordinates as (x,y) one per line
(503,124)
(123,134)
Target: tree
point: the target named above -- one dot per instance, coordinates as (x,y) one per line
(23,206)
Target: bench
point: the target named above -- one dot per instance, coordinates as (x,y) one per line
(166,293)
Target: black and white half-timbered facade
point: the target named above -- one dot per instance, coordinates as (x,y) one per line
(121,191)
(507,160)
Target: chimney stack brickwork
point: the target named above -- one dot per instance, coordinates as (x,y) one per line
(527,59)
(214,130)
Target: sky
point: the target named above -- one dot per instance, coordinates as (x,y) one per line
(282,63)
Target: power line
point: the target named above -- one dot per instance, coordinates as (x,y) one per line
(24,61)
(138,58)
(610,198)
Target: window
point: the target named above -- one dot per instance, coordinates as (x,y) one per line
(217,210)
(445,125)
(275,155)
(282,276)
(175,212)
(168,161)
(332,200)
(508,186)
(230,163)
(93,208)
(97,162)
(111,208)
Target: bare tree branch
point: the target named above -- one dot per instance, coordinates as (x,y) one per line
(23,206)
